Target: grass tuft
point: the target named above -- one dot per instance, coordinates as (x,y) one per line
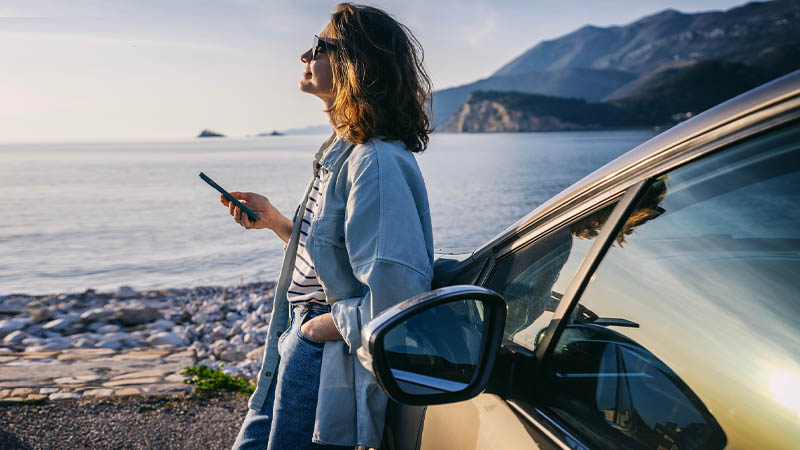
(205,378)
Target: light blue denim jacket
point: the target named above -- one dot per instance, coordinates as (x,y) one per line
(372,246)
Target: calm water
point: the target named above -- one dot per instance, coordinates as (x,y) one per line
(78,216)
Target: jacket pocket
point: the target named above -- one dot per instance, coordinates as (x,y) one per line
(326,246)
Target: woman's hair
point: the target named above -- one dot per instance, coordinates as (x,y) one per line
(381,87)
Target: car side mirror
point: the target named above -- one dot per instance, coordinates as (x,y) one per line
(438,347)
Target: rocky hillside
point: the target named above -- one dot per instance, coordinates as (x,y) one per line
(761,39)
(739,34)
(666,97)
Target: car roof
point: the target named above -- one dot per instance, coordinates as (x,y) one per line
(774,92)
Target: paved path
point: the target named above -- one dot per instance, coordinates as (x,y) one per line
(92,372)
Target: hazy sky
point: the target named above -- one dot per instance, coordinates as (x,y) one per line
(163,69)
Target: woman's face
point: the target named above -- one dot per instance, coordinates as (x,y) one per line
(317,76)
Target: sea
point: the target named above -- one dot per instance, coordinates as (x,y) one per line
(77,216)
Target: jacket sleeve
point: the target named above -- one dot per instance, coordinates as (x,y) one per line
(385,220)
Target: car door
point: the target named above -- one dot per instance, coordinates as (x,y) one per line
(531,272)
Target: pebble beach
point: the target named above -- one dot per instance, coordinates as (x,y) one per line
(127,342)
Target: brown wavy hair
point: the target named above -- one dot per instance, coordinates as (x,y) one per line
(380,84)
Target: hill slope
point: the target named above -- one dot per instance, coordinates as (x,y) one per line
(739,34)
(664,99)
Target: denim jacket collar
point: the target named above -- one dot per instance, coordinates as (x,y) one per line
(334,155)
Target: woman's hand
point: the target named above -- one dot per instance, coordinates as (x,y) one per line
(269,216)
(321,329)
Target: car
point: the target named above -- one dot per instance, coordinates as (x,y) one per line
(653,304)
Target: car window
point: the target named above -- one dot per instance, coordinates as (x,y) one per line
(533,278)
(687,335)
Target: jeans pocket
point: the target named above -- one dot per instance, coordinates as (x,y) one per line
(305,338)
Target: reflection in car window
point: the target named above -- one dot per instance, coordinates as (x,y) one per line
(532,279)
(694,311)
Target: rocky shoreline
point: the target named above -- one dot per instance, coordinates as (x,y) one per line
(86,344)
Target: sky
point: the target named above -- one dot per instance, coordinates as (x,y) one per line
(113,70)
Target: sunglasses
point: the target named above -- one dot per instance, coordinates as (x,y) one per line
(320,46)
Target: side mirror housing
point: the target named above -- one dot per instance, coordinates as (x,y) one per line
(438,347)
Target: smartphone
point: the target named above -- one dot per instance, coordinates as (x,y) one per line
(253,216)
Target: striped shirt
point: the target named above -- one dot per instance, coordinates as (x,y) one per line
(305,286)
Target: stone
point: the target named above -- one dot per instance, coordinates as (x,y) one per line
(163,324)
(9,325)
(53,344)
(12,309)
(5,393)
(132,381)
(165,338)
(41,315)
(22,392)
(35,397)
(95,393)
(141,374)
(236,330)
(48,390)
(219,332)
(231,370)
(125,292)
(111,344)
(16,337)
(107,329)
(142,354)
(64,396)
(32,354)
(232,355)
(175,378)
(256,354)
(6,359)
(58,324)
(127,391)
(137,315)
(85,353)
(81,379)
(97,315)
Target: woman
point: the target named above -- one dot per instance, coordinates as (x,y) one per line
(360,240)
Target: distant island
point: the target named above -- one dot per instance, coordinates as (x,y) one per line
(273,133)
(208,133)
(656,71)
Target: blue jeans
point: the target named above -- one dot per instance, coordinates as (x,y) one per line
(286,421)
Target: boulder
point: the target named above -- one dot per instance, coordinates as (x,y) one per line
(136,315)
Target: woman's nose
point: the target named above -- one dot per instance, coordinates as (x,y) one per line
(306,56)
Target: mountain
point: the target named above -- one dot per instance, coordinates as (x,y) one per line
(668,96)
(611,63)
(739,34)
